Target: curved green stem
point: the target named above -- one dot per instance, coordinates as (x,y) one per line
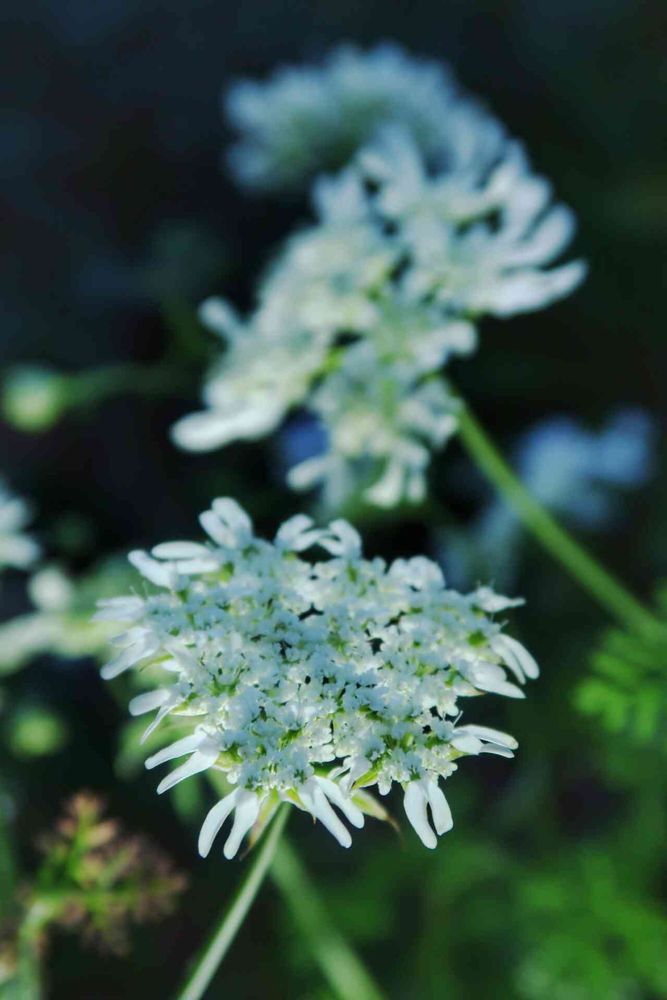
(214,952)
(609,592)
(95,385)
(345,973)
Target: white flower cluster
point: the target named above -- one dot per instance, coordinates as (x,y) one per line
(306,119)
(360,312)
(17,549)
(307,682)
(59,621)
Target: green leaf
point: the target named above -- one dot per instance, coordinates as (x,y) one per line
(626,689)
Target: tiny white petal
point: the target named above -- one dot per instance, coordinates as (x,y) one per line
(333,792)
(203,431)
(489,735)
(233,514)
(161,574)
(119,609)
(143,703)
(516,656)
(187,744)
(414,802)
(180,550)
(214,821)
(128,658)
(343,540)
(466,743)
(169,705)
(317,804)
(200,761)
(245,815)
(440,811)
(297,533)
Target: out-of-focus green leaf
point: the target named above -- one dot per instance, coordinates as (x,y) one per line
(36,731)
(627,687)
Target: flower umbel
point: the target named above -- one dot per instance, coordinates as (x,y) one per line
(310,681)
(360,312)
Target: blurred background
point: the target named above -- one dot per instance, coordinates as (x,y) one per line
(118,219)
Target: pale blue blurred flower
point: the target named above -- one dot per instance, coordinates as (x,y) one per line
(575,472)
(302,438)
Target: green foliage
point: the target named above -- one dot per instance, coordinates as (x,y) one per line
(627,687)
(36,731)
(588,933)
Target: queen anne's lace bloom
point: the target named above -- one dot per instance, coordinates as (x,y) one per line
(17,549)
(360,312)
(308,682)
(437,220)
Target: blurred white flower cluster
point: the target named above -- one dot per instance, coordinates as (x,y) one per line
(308,682)
(575,472)
(59,620)
(360,312)
(309,119)
(17,548)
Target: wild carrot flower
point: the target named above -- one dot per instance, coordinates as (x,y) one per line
(308,682)
(359,313)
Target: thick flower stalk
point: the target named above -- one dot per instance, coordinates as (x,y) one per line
(359,313)
(308,682)
(17,549)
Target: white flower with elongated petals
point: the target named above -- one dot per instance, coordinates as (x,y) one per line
(479,244)
(359,313)
(17,549)
(308,682)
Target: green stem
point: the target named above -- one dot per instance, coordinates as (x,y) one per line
(214,952)
(338,963)
(95,385)
(346,975)
(609,592)
(28,982)
(7,863)
(188,342)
